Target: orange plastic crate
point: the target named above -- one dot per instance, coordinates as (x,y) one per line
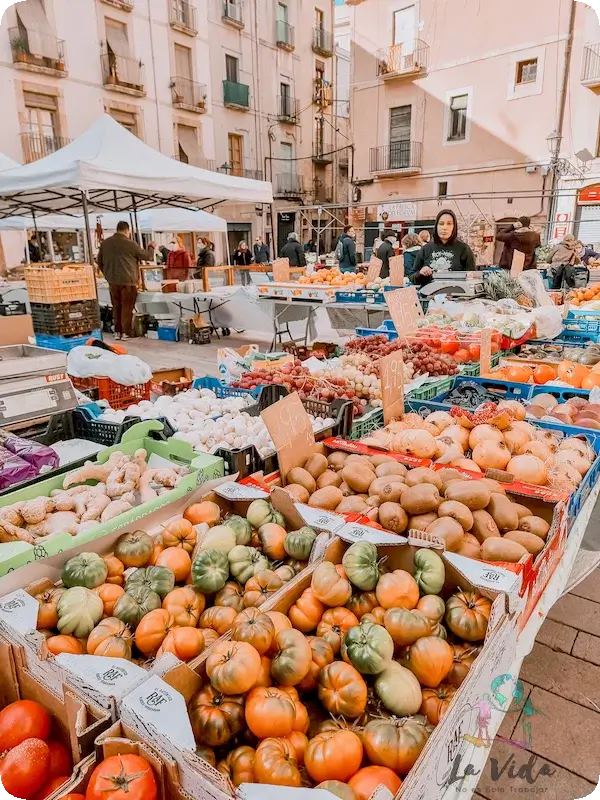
(115,394)
(55,283)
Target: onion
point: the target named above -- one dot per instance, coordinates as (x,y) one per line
(515,409)
(491,455)
(466,463)
(515,438)
(577,402)
(565,477)
(545,400)
(416,443)
(528,469)
(458,434)
(573,443)
(441,420)
(537,449)
(574,458)
(482,433)
(525,426)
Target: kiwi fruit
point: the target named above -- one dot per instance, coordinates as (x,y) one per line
(420,499)
(304,478)
(298,492)
(535,525)
(458,511)
(484,526)
(337,460)
(393,517)
(470,493)
(358,476)
(449,530)
(316,465)
(504,513)
(376,461)
(530,541)
(387,490)
(390,468)
(423,475)
(352,505)
(420,522)
(328,498)
(329,478)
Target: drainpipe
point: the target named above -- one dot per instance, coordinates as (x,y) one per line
(154,65)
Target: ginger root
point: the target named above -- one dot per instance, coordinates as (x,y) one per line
(12,533)
(95,472)
(64,502)
(147,492)
(61,522)
(35,511)
(116,508)
(95,507)
(166,476)
(12,515)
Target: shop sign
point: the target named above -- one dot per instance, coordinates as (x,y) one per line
(561,226)
(396,212)
(589,195)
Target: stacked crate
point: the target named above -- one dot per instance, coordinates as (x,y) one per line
(64,306)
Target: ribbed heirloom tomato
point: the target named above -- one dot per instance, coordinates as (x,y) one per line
(126,777)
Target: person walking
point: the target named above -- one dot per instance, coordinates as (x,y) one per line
(345,249)
(119,258)
(206,254)
(387,250)
(261,251)
(243,258)
(425,237)
(445,253)
(521,238)
(179,261)
(293,251)
(561,258)
(411,245)
(35,254)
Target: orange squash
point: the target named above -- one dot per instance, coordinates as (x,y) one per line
(306,612)
(109,593)
(111,638)
(64,644)
(184,643)
(116,568)
(255,628)
(185,605)
(219,618)
(180,533)
(572,373)
(177,560)
(152,630)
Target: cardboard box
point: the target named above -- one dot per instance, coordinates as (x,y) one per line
(15,330)
(171,381)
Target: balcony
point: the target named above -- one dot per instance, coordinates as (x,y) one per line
(405,60)
(236,95)
(240,171)
(287,109)
(322,153)
(590,70)
(40,145)
(182,17)
(188,95)
(284,35)
(322,192)
(322,42)
(37,52)
(399,158)
(288,184)
(123,5)
(125,75)
(233,13)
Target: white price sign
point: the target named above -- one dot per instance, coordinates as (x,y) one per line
(319,519)
(18,611)
(237,491)
(157,706)
(110,677)
(362,533)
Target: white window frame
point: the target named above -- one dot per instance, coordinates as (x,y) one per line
(446,141)
(516,91)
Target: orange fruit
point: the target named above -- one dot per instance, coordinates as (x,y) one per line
(544,373)
(519,373)
(572,373)
(591,381)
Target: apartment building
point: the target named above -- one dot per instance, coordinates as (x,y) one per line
(460,101)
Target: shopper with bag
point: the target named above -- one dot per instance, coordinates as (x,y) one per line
(566,268)
(521,238)
(345,250)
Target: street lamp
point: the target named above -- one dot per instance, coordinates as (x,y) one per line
(554,141)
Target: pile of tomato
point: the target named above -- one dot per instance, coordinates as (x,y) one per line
(576,375)
(465,348)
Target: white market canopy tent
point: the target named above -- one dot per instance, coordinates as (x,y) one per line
(107,168)
(6,162)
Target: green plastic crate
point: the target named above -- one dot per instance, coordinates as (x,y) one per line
(366,424)
(431,390)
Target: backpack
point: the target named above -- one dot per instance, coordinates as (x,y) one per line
(339,250)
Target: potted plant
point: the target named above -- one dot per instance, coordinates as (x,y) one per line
(20,49)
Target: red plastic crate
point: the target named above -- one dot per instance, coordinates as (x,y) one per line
(118,396)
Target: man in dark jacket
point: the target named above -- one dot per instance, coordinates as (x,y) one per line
(119,258)
(293,250)
(386,250)
(345,249)
(523,239)
(445,253)
(261,252)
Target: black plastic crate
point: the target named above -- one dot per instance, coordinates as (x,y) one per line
(64,319)
(13,309)
(109,433)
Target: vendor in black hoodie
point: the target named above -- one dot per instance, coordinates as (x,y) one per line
(445,252)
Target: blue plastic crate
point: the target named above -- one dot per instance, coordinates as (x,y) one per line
(360,297)
(568,338)
(387,328)
(65,343)
(579,325)
(579,313)
(223,391)
(504,389)
(561,393)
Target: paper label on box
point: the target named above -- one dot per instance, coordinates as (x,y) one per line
(361,533)
(18,611)
(397,271)
(391,369)
(486,576)
(374,270)
(405,309)
(109,677)
(319,519)
(291,430)
(255,791)
(162,711)
(238,491)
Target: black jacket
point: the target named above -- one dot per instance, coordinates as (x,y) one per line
(206,257)
(261,254)
(456,256)
(348,259)
(385,252)
(294,251)
(242,258)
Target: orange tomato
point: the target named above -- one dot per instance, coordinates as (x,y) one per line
(572,373)
(462,356)
(519,373)
(544,373)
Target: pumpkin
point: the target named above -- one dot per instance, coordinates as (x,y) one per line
(377,616)
(322,654)
(210,571)
(64,644)
(245,561)
(241,528)
(176,560)
(464,656)
(362,603)
(185,605)
(299,544)
(361,565)
(333,755)
(430,660)
(306,612)
(207,512)
(270,712)
(285,572)
(47,607)
(397,589)
(467,615)
(395,743)
(215,719)
(134,549)
(79,610)
(116,568)
(339,789)
(292,659)
(232,594)
(86,569)
(405,626)
(398,690)
(239,765)
(329,586)
(430,573)
(368,647)
(184,643)
(367,779)
(180,533)
(152,630)
(135,604)
(261,512)
(334,625)
(275,760)
(260,587)
(432,606)
(109,593)
(436,702)
(342,690)
(159,579)
(233,667)
(220,538)
(255,628)
(111,638)
(219,618)
(271,538)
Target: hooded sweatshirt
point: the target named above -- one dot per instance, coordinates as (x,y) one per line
(455,255)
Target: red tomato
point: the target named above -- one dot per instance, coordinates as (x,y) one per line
(22,720)
(495,348)
(462,356)
(126,777)
(450,345)
(50,787)
(73,796)
(474,352)
(61,762)
(25,769)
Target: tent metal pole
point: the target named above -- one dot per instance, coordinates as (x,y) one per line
(88,230)
(138,235)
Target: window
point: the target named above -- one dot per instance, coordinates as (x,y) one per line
(236,154)
(117,41)
(319,19)
(41,125)
(527,71)
(282,13)
(458,118)
(128,119)
(286,151)
(187,138)
(404,25)
(232,68)
(183,62)
(285,108)
(36,30)
(319,72)
(400,130)
(442,189)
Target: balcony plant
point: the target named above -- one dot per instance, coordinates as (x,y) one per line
(20,49)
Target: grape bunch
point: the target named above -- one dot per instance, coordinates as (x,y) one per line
(426,359)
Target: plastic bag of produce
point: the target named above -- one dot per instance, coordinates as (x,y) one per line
(14,469)
(548,321)
(94,362)
(39,455)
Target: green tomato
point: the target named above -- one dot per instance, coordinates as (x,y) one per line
(210,571)
(159,579)
(430,573)
(135,604)
(245,561)
(299,544)
(86,569)
(79,611)
(241,527)
(369,647)
(262,512)
(361,565)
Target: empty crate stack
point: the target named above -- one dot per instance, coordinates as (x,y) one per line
(64,306)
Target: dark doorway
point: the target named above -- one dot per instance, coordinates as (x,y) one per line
(285,225)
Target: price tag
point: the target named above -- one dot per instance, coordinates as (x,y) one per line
(487,576)
(281,270)
(18,611)
(361,533)
(291,430)
(397,271)
(374,271)
(110,677)
(238,491)
(319,519)
(159,709)
(391,371)
(518,262)
(405,309)
(485,355)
